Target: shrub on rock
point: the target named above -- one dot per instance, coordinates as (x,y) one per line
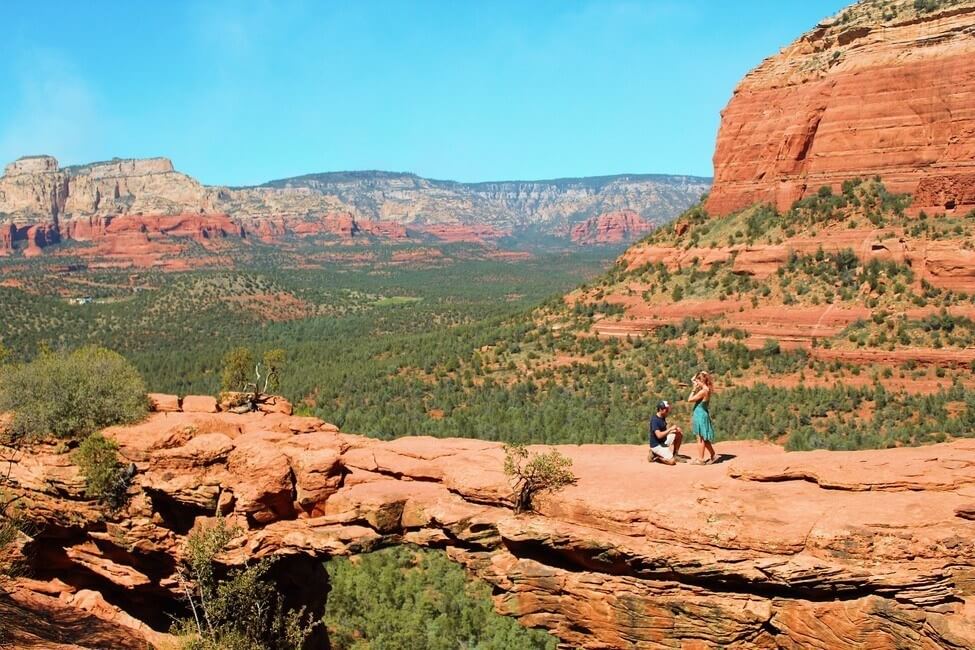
(532,474)
(106,479)
(72,394)
(238,364)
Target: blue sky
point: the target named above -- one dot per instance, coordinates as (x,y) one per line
(248,91)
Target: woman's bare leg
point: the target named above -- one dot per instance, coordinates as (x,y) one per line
(700,449)
(707,444)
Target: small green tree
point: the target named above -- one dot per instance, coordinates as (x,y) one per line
(771,348)
(242,611)
(238,364)
(532,474)
(106,479)
(271,367)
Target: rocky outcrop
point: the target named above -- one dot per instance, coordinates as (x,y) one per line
(610,228)
(7,233)
(880,89)
(767,549)
(194,226)
(90,202)
(945,263)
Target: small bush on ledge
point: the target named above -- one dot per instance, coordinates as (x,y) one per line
(106,479)
(238,390)
(535,474)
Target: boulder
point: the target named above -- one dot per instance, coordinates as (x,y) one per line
(275,404)
(199,404)
(162,403)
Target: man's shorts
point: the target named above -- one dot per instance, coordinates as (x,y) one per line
(666,450)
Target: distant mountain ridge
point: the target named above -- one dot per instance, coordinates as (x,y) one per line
(35,188)
(42,204)
(346,176)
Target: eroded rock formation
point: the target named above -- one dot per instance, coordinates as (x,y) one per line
(765,550)
(883,88)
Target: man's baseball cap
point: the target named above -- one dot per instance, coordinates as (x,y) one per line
(663,404)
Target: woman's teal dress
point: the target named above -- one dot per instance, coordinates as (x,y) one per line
(701,421)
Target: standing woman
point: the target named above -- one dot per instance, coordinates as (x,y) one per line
(701,418)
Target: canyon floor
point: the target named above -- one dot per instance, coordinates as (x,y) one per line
(765,549)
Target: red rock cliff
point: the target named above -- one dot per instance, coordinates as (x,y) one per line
(880,89)
(818,550)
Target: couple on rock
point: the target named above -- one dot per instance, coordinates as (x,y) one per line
(665,440)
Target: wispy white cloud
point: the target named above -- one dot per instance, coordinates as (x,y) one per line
(53,110)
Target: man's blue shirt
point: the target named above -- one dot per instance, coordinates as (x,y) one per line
(657,423)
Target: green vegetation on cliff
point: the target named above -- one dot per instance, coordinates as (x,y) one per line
(411,598)
(235,609)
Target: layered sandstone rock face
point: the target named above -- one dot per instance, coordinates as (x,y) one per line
(611,228)
(35,190)
(883,88)
(765,550)
(42,204)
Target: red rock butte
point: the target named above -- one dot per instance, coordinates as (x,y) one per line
(880,89)
(767,549)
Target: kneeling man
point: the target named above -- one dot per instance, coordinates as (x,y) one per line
(664,441)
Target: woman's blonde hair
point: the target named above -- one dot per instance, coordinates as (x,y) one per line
(705,378)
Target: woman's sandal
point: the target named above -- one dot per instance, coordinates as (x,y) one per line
(710,461)
(697,461)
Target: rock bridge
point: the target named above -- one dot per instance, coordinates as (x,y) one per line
(767,549)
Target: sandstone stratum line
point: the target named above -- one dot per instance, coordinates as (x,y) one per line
(764,550)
